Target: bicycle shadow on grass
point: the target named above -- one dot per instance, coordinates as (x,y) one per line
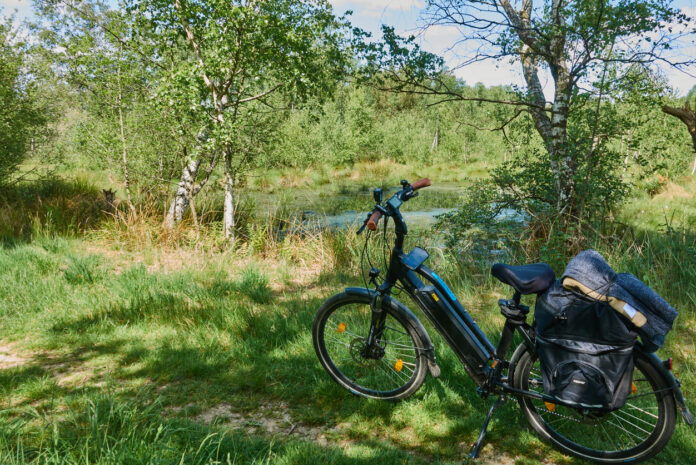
(271,360)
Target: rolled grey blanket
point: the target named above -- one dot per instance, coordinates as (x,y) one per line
(589,273)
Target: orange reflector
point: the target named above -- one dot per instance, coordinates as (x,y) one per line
(399,365)
(634,389)
(494,364)
(341,327)
(550,406)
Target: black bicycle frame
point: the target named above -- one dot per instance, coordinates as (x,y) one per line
(442,308)
(446,313)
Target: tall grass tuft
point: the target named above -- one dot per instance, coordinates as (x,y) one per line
(50,207)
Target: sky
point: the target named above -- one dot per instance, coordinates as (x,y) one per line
(406,17)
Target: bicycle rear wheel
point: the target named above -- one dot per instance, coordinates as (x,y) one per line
(394,368)
(635,432)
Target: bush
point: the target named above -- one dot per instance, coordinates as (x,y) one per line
(21,115)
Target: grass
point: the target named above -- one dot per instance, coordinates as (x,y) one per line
(120,346)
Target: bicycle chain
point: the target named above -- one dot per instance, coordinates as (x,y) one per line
(561,415)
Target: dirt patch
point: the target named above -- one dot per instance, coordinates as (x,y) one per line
(271,418)
(11,357)
(274,419)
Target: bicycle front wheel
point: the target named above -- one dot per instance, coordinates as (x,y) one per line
(635,432)
(393,368)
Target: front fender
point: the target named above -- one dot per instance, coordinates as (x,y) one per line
(412,320)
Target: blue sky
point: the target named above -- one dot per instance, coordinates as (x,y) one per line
(404,16)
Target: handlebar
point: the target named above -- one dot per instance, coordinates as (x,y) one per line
(408,192)
(374,220)
(425,182)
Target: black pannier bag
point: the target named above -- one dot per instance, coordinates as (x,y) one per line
(585,349)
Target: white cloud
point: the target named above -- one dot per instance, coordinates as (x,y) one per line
(383,5)
(23,8)
(12,4)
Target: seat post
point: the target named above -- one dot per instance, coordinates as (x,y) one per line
(515,315)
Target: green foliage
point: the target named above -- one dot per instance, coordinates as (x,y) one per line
(362,124)
(111,111)
(255,285)
(146,365)
(22,117)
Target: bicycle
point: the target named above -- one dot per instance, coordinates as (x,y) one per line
(374,346)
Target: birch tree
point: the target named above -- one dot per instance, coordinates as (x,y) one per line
(575,41)
(85,41)
(242,53)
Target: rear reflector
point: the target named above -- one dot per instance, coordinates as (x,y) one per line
(668,364)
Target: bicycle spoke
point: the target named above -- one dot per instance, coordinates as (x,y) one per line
(337,341)
(628,404)
(634,417)
(625,420)
(609,436)
(391,369)
(389,372)
(345,337)
(626,431)
(397,330)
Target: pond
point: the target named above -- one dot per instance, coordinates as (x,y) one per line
(417,219)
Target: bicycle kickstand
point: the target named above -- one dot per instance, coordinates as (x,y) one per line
(477,445)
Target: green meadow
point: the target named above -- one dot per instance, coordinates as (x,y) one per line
(123,345)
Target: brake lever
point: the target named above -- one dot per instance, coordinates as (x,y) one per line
(362,228)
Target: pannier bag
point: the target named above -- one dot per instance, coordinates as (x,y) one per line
(585,350)
(587,324)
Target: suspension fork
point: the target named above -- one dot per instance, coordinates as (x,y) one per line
(378,317)
(377,323)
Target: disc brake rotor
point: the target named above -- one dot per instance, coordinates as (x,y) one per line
(358,351)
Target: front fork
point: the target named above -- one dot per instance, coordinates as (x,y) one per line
(377,326)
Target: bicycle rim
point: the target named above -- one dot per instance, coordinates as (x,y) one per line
(386,369)
(634,432)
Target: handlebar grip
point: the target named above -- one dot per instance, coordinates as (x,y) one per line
(374,219)
(425,182)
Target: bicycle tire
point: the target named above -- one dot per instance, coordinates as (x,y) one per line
(651,445)
(394,315)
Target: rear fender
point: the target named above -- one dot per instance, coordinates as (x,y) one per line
(671,381)
(427,348)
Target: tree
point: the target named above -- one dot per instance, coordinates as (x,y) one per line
(687,116)
(111,77)
(587,47)
(21,115)
(241,53)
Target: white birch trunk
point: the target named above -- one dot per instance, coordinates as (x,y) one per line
(180,202)
(228,213)
(124,152)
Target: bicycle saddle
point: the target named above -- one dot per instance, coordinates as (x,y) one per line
(525,279)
